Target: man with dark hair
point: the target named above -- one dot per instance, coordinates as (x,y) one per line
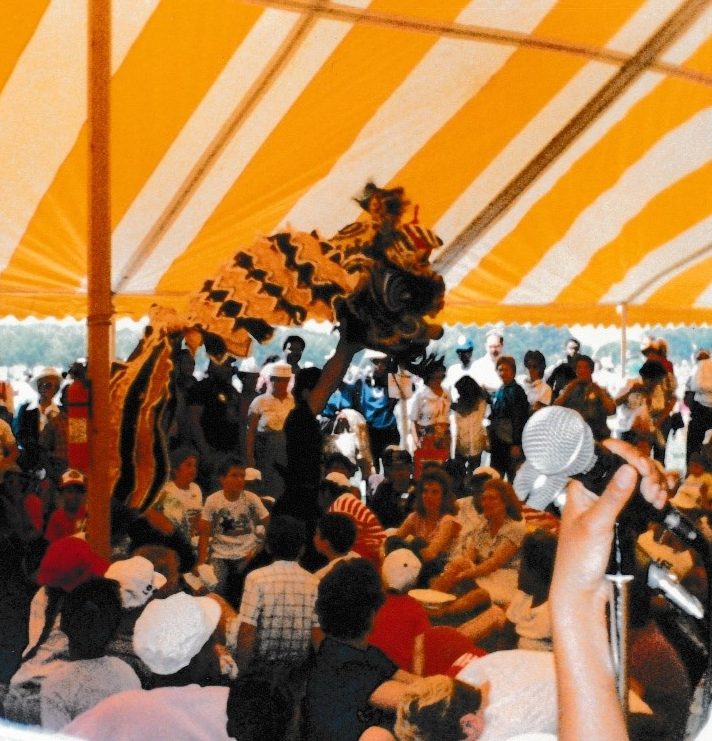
(90,618)
(334,538)
(392,500)
(565,372)
(277,617)
(352,686)
(292,350)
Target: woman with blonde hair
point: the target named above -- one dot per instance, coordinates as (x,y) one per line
(439,708)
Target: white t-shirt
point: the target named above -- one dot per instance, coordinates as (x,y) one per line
(80,685)
(181,506)
(272,412)
(430,408)
(233,523)
(190,713)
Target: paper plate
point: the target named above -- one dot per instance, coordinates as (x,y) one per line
(431,597)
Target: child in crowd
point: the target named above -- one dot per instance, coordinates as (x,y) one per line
(90,617)
(345,499)
(527,623)
(401,621)
(71,517)
(334,537)
(352,685)
(229,523)
(180,499)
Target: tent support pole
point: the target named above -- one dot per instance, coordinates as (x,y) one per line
(622,309)
(100,309)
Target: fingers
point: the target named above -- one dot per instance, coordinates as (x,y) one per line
(604,510)
(653,485)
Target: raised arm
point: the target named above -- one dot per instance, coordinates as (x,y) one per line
(588,704)
(332,373)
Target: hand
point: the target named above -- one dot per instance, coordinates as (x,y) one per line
(587,528)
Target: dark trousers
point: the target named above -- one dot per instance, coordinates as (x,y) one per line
(380,439)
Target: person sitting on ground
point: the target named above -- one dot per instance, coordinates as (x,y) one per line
(181,660)
(229,524)
(90,617)
(489,570)
(67,563)
(278,622)
(71,517)
(346,500)
(392,500)
(352,685)
(180,499)
(438,708)
(401,621)
(526,624)
(350,438)
(334,538)
(432,528)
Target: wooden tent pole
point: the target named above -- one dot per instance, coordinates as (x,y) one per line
(100,309)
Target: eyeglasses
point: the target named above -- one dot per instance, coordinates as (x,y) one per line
(45,385)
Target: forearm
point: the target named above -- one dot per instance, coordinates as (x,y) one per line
(583,659)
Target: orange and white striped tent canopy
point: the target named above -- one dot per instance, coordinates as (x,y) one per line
(561,149)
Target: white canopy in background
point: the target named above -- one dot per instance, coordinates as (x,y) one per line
(561,149)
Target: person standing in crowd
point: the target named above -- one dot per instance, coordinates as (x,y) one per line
(641,403)
(537,390)
(229,529)
(591,401)
(565,372)
(292,350)
(484,369)
(464,349)
(698,397)
(431,408)
(469,415)
(304,438)
(39,427)
(509,413)
(372,400)
(265,443)
(656,351)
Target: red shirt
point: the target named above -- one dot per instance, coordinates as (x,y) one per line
(397,624)
(61,523)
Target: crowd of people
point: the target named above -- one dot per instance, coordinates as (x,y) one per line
(340,553)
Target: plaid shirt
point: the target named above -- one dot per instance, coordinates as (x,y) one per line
(279,601)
